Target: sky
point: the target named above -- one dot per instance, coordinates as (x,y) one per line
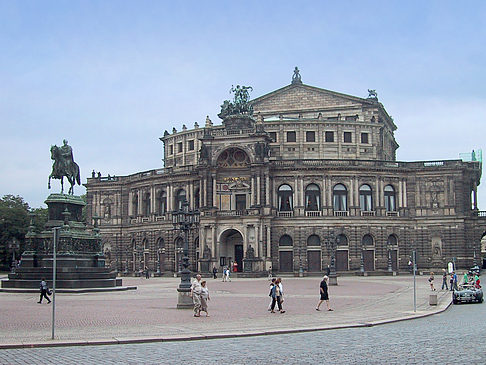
(111,76)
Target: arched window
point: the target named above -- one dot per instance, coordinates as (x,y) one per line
(233,157)
(285,203)
(340,198)
(390,205)
(146,204)
(146,244)
(160,243)
(162,202)
(367,240)
(312,198)
(313,240)
(135,204)
(342,240)
(365,198)
(180,198)
(392,240)
(285,240)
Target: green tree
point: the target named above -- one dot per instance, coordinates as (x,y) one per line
(14,223)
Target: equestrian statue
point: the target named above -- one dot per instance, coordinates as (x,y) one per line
(64,165)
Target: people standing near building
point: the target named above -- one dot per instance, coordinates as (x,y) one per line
(280,285)
(215,272)
(196,295)
(224,274)
(444,280)
(451,281)
(235,266)
(272,284)
(454,276)
(204,298)
(431,281)
(147,273)
(276,298)
(465,278)
(324,292)
(44,290)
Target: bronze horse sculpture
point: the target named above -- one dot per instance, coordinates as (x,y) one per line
(64,167)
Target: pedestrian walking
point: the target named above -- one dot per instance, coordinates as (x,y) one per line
(147,273)
(324,292)
(196,295)
(280,285)
(276,298)
(215,272)
(465,279)
(272,284)
(454,275)
(431,281)
(444,279)
(451,281)
(228,274)
(44,290)
(204,298)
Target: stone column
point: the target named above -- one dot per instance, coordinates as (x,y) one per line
(152,200)
(405,193)
(170,204)
(269,243)
(259,190)
(214,190)
(140,200)
(130,204)
(252,190)
(267,190)
(400,194)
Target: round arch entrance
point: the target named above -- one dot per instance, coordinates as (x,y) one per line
(231,248)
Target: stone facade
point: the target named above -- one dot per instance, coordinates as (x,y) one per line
(312,174)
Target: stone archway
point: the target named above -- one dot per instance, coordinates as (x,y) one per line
(231,248)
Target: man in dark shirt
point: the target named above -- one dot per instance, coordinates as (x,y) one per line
(324,293)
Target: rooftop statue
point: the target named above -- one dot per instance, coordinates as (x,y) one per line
(240,104)
(372,94)
(64,165)
(296,79)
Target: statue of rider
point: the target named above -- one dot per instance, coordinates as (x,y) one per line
(66,153)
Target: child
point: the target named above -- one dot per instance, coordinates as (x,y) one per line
(204,297)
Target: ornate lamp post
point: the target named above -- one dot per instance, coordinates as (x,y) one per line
(183,220)
(332,244)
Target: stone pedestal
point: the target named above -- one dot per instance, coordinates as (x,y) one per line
(333,279)
(79,253)
(184,299)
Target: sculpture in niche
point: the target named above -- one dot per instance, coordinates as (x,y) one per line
(250,252)
(206,252)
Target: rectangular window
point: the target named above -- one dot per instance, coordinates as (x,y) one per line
(179,147)
(190,145)
(364,138)
(291,137)
(329,136)
(171,149)
(240,201)
(273,136)
(347,137)
(310,136)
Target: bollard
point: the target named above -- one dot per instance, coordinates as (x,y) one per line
(433,299)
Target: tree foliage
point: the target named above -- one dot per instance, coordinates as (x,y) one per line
(14,224)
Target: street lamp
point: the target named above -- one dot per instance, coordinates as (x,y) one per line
(183,220)
(332,244)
